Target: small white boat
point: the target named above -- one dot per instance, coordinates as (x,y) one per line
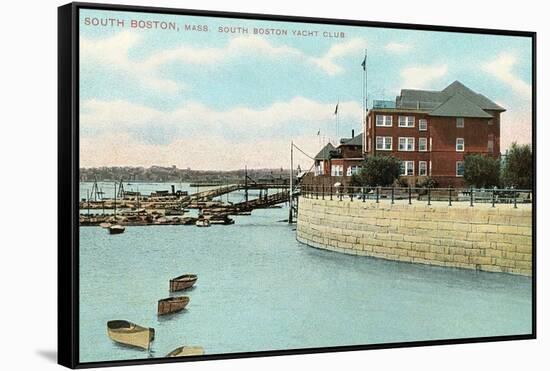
(202,222)
(104,225)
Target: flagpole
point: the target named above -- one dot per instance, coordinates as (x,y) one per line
(366,86)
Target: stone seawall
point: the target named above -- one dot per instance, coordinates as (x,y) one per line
(495,239)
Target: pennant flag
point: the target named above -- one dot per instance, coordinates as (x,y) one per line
(364,63)
(319,132)
(336,109)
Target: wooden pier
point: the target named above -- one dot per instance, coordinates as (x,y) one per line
(169,208)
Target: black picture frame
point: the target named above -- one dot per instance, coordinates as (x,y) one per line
(68,171)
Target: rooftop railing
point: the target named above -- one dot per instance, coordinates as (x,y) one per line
(449,195)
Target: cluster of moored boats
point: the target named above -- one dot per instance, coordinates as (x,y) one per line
(128,333)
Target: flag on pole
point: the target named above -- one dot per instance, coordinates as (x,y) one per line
(319,132)
(364,63)
(336,109)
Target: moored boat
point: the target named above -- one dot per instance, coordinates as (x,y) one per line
(202,222)
(116,229)
(172,305)
(186,351)
(129,333)
(105,225)
(182,282)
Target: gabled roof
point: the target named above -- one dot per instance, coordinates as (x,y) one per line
(459,106)
(324,154)
(439,103)
(479,99)
(355,141)
(420,99)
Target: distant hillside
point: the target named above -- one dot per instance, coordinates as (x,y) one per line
(173,174)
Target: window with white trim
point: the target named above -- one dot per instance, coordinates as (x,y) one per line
(490,143)
(406,121)
(460,168)
(384,143)
(337,170)
(423,144)
(430,168)
(406,143)
(406,168)
(352,170)
(422,168)
(383,120)
(319,169)
(460,122)
(422,124)
(460,144)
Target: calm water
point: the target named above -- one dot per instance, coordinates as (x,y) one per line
(259,289)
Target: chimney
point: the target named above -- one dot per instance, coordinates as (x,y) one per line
(352,133)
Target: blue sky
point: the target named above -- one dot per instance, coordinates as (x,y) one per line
(211,100)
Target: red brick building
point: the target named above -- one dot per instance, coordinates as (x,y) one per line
(432,131)
(338,164)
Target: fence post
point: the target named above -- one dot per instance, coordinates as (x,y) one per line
(317,192)
(340,192)
(410,199)
(493,197)
(351,194)
(323,190)
(331,192)
(392,194)
(429,196)
(363,193)
(377,194)
(471,196)
(450,195)
(515,200)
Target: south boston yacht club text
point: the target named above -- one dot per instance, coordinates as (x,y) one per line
(138,24)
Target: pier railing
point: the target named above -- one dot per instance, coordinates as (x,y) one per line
(392,194)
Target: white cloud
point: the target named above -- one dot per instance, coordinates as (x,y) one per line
(502,69)
(123,133)
(329,62)
(422,77)
(120,114)
(113,52)
(395,47)
(212,152)
(515,125)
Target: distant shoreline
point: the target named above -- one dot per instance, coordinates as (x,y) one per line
(160,174)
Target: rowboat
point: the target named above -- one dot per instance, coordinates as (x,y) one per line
(129,333)
(186,351)
(172,305)
(104,225)
(182,282)
(116,229)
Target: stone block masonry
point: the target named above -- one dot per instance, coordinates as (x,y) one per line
(490,239)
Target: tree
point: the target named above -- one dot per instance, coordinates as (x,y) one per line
(481,171)
(518,167)
(377,170)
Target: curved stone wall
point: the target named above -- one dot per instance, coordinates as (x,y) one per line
(495,239)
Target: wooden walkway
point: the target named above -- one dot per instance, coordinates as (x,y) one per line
(258,203)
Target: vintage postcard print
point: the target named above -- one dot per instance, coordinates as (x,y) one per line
(256,185)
